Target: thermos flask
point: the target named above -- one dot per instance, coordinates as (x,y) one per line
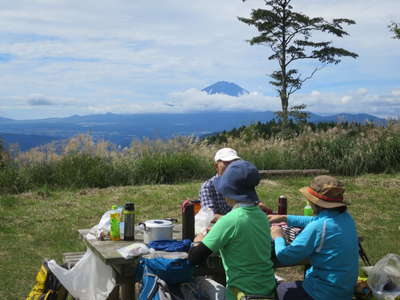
(129,222)
(282,205)
(187,220)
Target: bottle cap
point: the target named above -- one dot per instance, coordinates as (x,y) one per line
(129,206)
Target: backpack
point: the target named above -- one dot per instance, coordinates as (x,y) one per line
(153,287)
(171,245)
(47,286)
(159,275)
(171,270)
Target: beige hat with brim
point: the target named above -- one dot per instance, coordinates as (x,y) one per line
(325,191)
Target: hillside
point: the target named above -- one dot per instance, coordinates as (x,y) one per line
(122,129)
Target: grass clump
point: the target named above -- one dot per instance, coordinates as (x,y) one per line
(81,163)
(344,149)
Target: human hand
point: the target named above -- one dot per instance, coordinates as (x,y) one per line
(199,237)
(276,231)
(264,208)
(277,218)
(216,218)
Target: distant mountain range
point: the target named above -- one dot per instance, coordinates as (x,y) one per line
(122,129)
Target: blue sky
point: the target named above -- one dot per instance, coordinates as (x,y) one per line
(65,57)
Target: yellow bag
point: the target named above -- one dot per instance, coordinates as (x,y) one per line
(47,286)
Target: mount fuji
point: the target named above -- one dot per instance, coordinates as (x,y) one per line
(227,88)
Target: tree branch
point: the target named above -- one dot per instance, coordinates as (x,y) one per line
(301,81)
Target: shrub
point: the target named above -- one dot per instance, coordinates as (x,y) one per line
(347,149)
(169,168)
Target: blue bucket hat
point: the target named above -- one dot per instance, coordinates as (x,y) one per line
(238,181)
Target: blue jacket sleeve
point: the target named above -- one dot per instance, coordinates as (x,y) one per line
(299,221)
(303,246)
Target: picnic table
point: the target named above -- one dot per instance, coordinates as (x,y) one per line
(125,268)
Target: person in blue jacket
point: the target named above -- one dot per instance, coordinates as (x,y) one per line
(328,240)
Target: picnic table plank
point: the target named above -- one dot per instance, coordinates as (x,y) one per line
(107,250)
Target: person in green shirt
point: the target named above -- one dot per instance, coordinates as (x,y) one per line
(242,237)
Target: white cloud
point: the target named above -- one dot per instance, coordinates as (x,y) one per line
(346,99)
(321,103)
(382,105)
(36,100)
(315,93)
(396,92)
(193,100)
(362,91)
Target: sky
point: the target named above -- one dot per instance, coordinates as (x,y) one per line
(73,57)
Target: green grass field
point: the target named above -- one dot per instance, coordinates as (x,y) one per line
(43,224)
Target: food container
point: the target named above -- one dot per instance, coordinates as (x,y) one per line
(156,230)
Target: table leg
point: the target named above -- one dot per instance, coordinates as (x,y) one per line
(128,291)
(114,295)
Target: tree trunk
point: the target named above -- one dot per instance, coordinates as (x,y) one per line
(284,103)
(283,92)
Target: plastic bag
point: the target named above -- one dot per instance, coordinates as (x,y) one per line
(89,279)
(384,277)
(210,289)
(203,219)
(134,249)
(102,230)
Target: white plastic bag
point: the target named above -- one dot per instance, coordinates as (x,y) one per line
(201,288)
(210,289)
(101,230)
(134,249)
(203,219)
(384,277)
(89,279)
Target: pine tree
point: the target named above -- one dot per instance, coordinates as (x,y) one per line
(3,155)
(395,28)
(289,35)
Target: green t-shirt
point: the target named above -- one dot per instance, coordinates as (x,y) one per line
(244,240)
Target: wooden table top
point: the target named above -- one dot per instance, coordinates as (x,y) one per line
(107,250)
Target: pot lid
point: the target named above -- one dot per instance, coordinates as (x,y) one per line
(158,223)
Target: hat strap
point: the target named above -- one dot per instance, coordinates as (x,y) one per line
(323,197)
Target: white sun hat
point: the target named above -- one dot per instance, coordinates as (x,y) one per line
(226,154)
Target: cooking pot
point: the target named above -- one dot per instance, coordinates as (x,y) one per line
(157,230)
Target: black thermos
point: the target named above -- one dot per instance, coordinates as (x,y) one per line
(187,220)
(129,222)
(282,205)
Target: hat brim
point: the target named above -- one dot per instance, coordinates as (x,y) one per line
(249,195)
(228,158)
(320,202)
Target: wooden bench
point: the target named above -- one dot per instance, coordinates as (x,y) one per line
(307,172)
(71,258)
